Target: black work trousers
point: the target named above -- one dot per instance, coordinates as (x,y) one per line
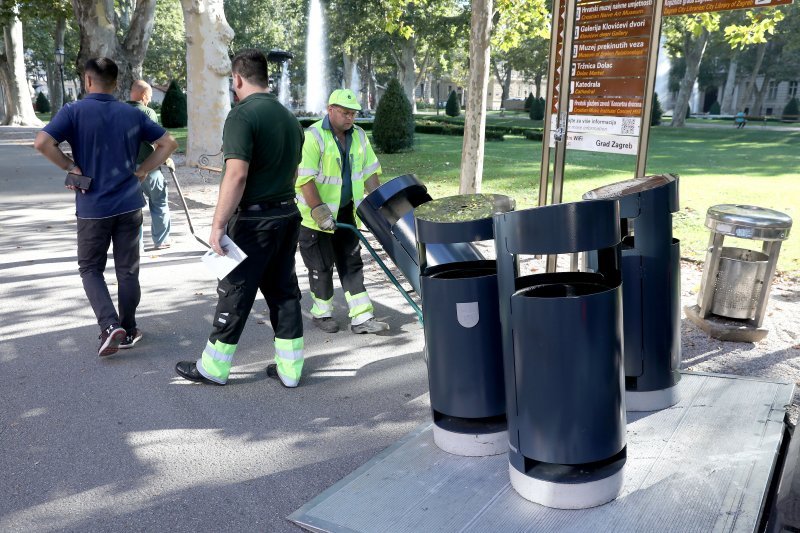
(321,252)
(269,238)
(94,237)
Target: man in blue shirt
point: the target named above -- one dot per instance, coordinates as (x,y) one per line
(105,135)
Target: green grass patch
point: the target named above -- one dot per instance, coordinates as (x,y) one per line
(716,165)
(180,136)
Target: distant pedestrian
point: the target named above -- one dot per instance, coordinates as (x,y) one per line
(105,135)
(740,120)
(154,185)
(261,143)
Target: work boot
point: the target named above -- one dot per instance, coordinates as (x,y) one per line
(188,370)
(326,324)
(272,372)
(370,326)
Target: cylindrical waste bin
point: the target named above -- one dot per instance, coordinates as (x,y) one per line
(388,212)
(651,288)
(562,351)
(736,281)
(462,327)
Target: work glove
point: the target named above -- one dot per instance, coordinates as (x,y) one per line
(323,217)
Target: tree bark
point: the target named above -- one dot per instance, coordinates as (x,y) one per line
(98,25)
(19,105)
(728,106)
(208,67)
(349,64)
(475,114)
(693,52)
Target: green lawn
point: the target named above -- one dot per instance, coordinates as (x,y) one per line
(749,166)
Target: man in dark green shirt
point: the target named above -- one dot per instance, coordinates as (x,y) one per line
(154,185)
(261,142)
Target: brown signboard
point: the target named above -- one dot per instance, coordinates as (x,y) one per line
(617,48)
(688,7)
(615,9)
(610,107)
(620,87)
(609,67)
(613,29)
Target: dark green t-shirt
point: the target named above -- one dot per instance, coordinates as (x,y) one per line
(261,131)
(145,149)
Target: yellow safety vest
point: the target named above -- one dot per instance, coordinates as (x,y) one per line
(322,163)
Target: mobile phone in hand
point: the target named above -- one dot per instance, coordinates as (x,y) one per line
(78,181)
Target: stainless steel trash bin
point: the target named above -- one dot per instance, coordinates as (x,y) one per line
(736,281)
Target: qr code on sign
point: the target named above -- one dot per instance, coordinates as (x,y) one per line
(628,126)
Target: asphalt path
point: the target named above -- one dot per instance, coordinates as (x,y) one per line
(122,444)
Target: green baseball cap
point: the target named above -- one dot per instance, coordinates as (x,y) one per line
(344,98)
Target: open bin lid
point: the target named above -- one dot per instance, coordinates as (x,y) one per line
(461,218)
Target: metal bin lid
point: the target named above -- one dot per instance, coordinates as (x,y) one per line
(631,186)
(748,222)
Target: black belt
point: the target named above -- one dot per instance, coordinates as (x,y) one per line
(264,206)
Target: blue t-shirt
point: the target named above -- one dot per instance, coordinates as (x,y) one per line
(105,135)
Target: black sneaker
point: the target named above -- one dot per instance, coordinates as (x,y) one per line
(131,338)
(326,324)
(110,339)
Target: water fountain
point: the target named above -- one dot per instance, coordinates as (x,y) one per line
(282,57)
(316,54)
(284,95)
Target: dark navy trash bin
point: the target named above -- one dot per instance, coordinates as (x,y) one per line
(388,212)
(562,348)
(651,294)
(462,327)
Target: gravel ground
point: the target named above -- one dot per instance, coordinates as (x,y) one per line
(776,358)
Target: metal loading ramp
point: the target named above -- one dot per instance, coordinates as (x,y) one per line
(703,465)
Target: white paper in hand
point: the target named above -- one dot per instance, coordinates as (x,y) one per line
(221,265)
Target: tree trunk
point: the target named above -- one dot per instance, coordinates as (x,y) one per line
(503,80)
(758,105)
(537,80)
(507,84)
(98,25)
(751,81)
(3,110)
(728,105)
(475,114)
(54,81)
(208,67)
(19,106)
(693,52)
(406,66)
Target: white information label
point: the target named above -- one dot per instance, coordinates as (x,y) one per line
(592,142)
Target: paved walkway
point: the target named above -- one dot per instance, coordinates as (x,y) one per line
(121,443)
